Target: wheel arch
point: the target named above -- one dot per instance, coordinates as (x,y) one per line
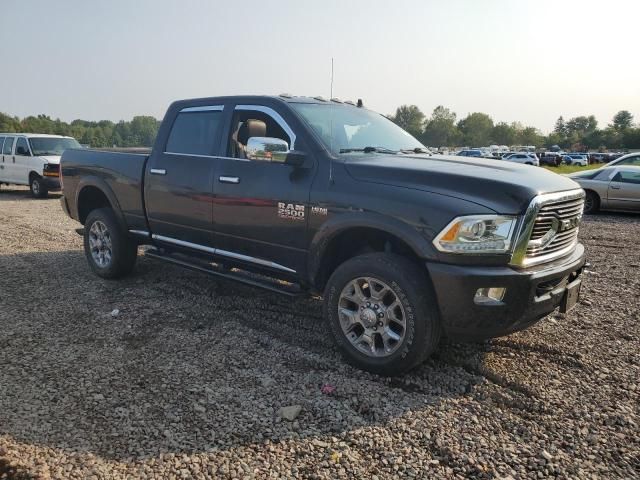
(342,239)
(93,193)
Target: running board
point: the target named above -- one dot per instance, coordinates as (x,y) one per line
(255,280)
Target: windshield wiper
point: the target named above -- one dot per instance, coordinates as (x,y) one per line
(368,150)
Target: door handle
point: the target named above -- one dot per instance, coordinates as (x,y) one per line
(224,179)
(158,171)
(615,187)
(14,159)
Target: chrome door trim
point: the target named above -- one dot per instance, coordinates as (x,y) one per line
(225,179)
(258,261)
(141,233)
(158,171)
(223,253)
(204,108)
(276,116)
(182,243)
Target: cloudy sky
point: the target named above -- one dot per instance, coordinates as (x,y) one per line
(529,61)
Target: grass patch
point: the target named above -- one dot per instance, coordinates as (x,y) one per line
(572,168)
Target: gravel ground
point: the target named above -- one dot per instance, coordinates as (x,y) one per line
(189,378)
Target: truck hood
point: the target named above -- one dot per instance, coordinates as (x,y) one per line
(54,159)
(504,187)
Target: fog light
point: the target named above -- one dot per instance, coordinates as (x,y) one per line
(489,296)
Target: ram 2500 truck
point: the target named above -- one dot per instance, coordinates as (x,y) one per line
(302,195)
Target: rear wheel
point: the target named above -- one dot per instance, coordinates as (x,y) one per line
(109,250)
(37,187)
(591,202)
(382,313)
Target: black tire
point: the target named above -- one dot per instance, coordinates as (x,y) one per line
(411,287)
(591,202)
(37,187)
(122,251)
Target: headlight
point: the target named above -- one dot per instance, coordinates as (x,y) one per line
(477,234)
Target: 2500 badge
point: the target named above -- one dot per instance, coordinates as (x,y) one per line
(290,211)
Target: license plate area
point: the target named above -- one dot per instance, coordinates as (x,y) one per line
(571,296)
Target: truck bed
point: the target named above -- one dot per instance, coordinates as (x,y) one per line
(121,173)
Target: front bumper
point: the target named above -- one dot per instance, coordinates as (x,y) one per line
(531,294)
(52,183)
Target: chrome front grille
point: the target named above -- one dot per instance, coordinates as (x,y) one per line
(550,228)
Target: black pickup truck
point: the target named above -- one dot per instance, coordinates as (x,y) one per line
(308,196)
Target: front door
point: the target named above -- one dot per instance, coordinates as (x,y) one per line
(23,162)
(261,208)
(624,190)
(179,179)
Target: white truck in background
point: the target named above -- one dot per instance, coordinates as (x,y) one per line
(33,159)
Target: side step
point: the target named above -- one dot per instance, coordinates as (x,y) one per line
(255,280)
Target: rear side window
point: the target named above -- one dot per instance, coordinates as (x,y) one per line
(195,132)
(8,145)
(1,143)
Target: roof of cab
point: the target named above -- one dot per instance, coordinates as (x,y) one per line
(244,98)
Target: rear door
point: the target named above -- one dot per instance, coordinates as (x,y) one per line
(24,162)
(624,189)
(179,179)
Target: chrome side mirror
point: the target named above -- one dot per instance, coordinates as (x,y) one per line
(268,149)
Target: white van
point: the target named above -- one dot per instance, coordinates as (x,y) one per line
(33,159)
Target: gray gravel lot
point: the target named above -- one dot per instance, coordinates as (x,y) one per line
(188,379)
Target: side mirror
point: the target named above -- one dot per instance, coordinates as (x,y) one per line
(267,148)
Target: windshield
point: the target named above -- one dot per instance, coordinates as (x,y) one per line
(347,129)
(41,146)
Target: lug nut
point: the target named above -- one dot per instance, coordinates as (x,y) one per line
(368,304)
(376,307)
(379,324)
(380,315)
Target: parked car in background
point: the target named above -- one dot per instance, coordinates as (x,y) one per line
(576,159)
(629,159)
(552,159)
(610,188)
(598,157)
(525,158)
(470,153)
(33,159)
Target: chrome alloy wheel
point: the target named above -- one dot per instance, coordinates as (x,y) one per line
(372,316)
(100,244)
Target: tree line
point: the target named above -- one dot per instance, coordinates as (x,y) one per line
(443,129)
(139,132)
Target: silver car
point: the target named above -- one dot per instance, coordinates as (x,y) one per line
(610,188)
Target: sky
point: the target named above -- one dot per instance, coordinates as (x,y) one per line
(517,60)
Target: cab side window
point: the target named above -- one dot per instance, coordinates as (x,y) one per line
(8,146)
(195,132)
(1,144)
(22,148)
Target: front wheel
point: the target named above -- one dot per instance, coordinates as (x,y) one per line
(38,188)
(382,313)
(109,250)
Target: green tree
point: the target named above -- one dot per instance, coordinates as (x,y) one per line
(622,120)
(441,129)
(504,134)
(410,118)
(476,129)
